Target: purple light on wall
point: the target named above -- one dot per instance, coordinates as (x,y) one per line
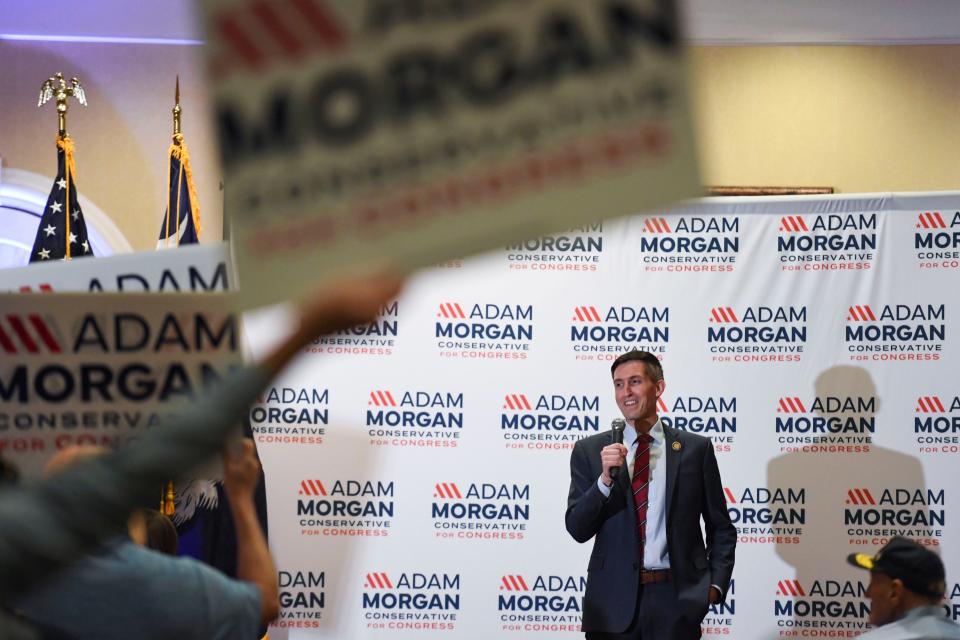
(26,37)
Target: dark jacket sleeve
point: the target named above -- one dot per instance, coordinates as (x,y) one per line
(585,503)
(721,534)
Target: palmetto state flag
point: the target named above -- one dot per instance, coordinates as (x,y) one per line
(62,233)
(204,520)
(181,222)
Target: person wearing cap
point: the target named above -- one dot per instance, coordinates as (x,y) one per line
(907,584)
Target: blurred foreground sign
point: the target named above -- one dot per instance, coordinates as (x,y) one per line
(353,131)
(102,369)
(198,267)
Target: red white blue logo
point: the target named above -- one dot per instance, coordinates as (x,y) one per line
(548,421)
(821,605)
(896,332)
(871,515)
(291,415)
(936,424)
(834,242)
(30,337)
(484,331)
(540,603)
(826,425)
(936,239)
(200,348)
(345,508)
(690,244)
(32,334)
(414,418)
(757,334)
(482,510)
(603,333)
(411,601)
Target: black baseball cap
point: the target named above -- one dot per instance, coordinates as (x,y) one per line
(920,569)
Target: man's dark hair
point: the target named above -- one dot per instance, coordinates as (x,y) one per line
(654,368)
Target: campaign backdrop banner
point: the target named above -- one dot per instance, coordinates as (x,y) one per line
(418,468)
(102,369)
(353,131)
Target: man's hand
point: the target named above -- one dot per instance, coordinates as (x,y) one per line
(715,595)
(612,455)
(241,470)
(348,302)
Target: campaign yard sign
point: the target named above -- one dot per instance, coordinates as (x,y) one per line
(359,131)
(191,268)
(103,369)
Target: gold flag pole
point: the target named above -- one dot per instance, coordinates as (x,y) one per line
(168,497)
(177,139)
(176,113)
(178,143)
(55,87)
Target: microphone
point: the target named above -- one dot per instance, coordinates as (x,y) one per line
(616,428)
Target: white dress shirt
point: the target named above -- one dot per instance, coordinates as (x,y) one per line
(655,554)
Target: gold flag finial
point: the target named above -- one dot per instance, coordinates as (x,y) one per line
(56,87)
(176,112)
(167,507)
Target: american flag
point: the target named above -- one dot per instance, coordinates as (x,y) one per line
(62,233)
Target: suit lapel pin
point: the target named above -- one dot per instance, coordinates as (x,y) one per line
(675,446)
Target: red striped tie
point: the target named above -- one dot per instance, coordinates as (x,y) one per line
(641,486)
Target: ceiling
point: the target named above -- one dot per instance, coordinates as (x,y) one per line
(732,22)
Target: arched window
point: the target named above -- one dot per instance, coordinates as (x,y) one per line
(22,197)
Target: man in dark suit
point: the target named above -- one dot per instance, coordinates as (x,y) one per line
(650,575)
